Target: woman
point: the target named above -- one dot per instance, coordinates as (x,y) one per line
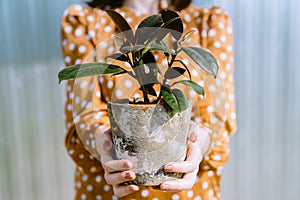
(86,29)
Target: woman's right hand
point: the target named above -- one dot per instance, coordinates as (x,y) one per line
(116,172)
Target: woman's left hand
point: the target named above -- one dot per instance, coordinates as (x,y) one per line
(198,137)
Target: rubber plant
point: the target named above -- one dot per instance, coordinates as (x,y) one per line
(136,48)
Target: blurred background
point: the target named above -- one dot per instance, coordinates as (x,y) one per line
(264,163)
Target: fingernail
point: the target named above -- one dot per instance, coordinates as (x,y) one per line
(193,137)
(134,188)
(127,165)
(107,144)
(165,186)
(129,175)
(168,167)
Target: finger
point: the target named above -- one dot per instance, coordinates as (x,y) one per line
(185,183)
(119,177)
(121,191)
(191,163)
(117,165)
(108,134)
(194,129)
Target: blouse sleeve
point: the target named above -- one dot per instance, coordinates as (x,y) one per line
(216,36)
(85,110)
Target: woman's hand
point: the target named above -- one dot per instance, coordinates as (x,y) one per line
(198,140)
(116,172)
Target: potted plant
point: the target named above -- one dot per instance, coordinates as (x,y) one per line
(151,130)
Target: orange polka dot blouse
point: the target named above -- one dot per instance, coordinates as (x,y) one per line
(86,36)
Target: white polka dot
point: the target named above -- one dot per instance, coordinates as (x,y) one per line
(129,19)
(212,88)
(111,49)
(77,100)
(78,184)
(205,185)
(223,56)
(223,75)
(83,103)
(175,197)
(217,157)
(137,95)
(211,33)
(98,197)
(69,107)
(114,197)
(155,198)
(145,193)
(83,196)
(198,20)
(118,93)
(190,194)
(213,120)
(78,61)
(210,173)
(221,25)
(228,66)
(110,84)
(82,49)
(231,97)
(98,179)
(98,94)
(83,84)
(128,83)
(68,29)
(72,46)
(93,169)
(192,93)
(197,198)
(90,18)
(103,44)
(218,11)
(71,151)
(106,188)
(201,83)
(98,115)
(89,188)
(229,29)
(92,33)
(76,119)
(217,44)
(82,126)
(187,17)
(81,156)
(218,102)
(77,7)
(204,33)
(233,115)
(85,177)
(223,38)
(229,48)
(210,109)
(195,73)
(78,32)
(107,28)
(210,192)
(67,59)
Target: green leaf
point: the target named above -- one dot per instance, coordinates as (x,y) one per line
(121,24)
(203,59)
(174,72)
(175,99)
(197,88)
(184,65)
(158,47)
(176,25)
(87,69)
(187,35)
(118,56)
(147,28)
(127,49)
(151,21)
